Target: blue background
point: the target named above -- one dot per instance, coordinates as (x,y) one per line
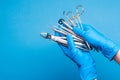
(24,55)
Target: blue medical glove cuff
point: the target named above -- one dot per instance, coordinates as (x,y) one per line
(88,73)
(110,49)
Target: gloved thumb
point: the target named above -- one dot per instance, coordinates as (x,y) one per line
(71,47)
(70,42)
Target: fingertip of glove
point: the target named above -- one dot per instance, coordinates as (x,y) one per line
(69,37)
(77,30)
(70,40)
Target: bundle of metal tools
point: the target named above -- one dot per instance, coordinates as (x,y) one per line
(66,27)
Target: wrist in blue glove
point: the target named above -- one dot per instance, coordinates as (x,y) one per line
(85,62)
(99,41)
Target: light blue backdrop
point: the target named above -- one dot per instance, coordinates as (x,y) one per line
(24,55)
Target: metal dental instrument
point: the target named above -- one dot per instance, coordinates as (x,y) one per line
(77,38)
(79,14)
(68,30)
(75,19)
(79,19)
(56,38)
(65,33)
(64,23)
(62,41)
(71,20)
(61,21)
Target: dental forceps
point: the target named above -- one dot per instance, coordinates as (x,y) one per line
(63,40)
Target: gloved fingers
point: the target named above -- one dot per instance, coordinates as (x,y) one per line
(68,50)
(80,31)
(61,45)
(86,27)
(70,42)
(64,49)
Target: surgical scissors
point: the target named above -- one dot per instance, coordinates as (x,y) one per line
(75,19)
(79,14)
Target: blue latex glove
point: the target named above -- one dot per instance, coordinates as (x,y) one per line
(99,41)
(85,62)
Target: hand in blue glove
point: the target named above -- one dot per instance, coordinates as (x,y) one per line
(99,41)
(83,59)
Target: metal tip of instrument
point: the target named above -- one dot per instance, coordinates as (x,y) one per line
(44,34)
